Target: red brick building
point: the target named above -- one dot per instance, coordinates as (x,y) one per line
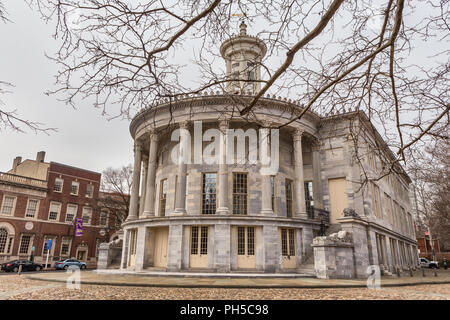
(40,201)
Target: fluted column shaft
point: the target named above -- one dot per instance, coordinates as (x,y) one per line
(222,205)
(299,181)
(180,201)
(134,200)
(266,186)
(143,184)
(149,204)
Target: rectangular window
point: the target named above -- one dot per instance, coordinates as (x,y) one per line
(65,245)
(25,244)
(104,218)
(8,205)
(89,191)
(209,193)
(250,241)
(55,208)
(71,212)
(31,208)
(204,241)
(246,241)
(241,240)
(309,200)
(74,188)
(240,193)
(194,240)
(288,198)
(272,187)
(288,242)
(87,215)
(163,197)
(119,219)
(58,186)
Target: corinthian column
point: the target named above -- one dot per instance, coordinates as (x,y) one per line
(134,200)
(149,203)
(222,205)
(299,182)
(266,186)
(143,184)
(183,158)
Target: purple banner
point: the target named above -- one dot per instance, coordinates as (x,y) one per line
(79,228)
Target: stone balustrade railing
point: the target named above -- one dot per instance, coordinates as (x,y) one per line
(21,180)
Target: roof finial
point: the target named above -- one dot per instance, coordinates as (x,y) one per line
(243,28)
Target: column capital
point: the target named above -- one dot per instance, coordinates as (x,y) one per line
(184,124)
(137,144)
(153,135)
(297,134)
(224,124)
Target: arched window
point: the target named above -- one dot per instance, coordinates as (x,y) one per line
(3,239)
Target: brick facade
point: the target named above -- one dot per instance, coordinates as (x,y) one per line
(41,227)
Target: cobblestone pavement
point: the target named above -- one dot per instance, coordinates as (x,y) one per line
(18,287)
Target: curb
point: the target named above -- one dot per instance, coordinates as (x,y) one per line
(268,286)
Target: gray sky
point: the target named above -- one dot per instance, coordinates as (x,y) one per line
(85,138)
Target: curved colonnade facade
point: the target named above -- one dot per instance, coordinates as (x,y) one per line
(215,191)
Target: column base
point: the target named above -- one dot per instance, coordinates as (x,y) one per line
(179,212)
(301,215)
(147,214)
(222,211)
(267,213)
(130,218)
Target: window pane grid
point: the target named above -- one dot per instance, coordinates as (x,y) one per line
(163,198)
(240,193)
(209,193)
(194,240)
(3,239)
(289,198)
(251,241)
(291,243)
(8,204)
(24,244)
(284,249)
(31,209)
(204,241)
(241,241)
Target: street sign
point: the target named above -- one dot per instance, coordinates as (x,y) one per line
(79,227)
(48,244)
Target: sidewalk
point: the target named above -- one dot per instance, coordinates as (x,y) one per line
(189,280)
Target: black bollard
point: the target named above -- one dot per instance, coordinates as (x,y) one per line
(398,272)
(410,271)
(423,271)
(435,273)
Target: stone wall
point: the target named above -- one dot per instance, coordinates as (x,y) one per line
(109,254)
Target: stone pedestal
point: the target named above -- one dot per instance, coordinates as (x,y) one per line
(109,254)
(333,256)
(358,228)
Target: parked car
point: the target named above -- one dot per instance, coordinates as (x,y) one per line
(425,263)
(64,264)
(27,265)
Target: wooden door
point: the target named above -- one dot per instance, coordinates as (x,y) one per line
(161,245)
(246,258)
(338,198)
(199,247)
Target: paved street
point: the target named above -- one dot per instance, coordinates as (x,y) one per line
(15,287)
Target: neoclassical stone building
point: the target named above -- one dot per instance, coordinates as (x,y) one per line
(226,216)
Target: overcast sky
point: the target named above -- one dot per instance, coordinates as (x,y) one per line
(84,138)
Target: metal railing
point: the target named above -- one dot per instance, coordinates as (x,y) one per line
(21,180)
(318,214)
